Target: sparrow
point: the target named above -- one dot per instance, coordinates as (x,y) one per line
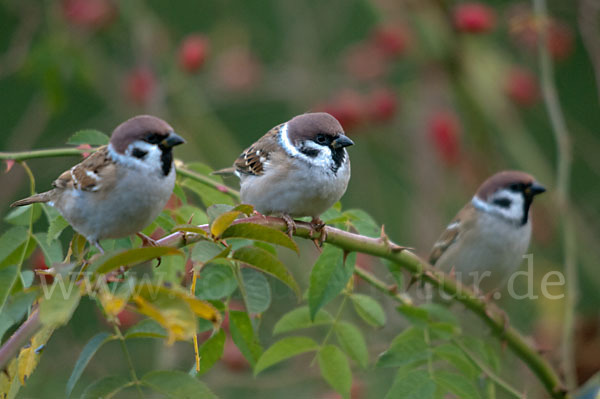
(485,243)
(298,168)
(122,187)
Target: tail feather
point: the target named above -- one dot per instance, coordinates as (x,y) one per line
(42,197)
(226,171)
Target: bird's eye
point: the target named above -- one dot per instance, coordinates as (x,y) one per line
(321,139)
(139,153)
(515,187)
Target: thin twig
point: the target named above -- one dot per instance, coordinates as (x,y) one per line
(488,372)
(590,29)
(129,360)
(563,173)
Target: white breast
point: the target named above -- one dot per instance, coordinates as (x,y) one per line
(490,252)
(299,189)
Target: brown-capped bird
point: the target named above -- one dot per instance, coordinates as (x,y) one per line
(121,188)
(299,168)
(486,241)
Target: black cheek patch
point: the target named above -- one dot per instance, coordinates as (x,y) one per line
(503,202)
(309,152)
(139,153)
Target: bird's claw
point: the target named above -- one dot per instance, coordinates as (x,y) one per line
(317,226)
(290,223)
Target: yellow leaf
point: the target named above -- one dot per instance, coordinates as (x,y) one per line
(180,325)
(7,379)
(222,222)
(204,310)
(29,356)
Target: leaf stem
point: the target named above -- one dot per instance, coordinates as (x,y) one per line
(129,360)
(330,331)
(487,371)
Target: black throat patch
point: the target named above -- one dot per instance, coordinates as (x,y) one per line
(166,159)
(338,157)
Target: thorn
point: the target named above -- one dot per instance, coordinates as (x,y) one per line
(9,164)
(382,234)
(191,218)
(84,147)
(393,289)
(346,253)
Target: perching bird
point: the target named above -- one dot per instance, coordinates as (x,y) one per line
(299,168)
(121,188)
(486,241)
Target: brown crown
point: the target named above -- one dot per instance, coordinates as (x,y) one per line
(501,180)
(307,126)
(138,128)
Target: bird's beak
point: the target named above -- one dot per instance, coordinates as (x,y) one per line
(535,189)
(341,142)
(172,140)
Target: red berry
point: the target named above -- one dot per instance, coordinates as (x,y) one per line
(391,40)
(365,61)
(140,85)
(127,318)
(444,131)
(521,87)
(382,105)
(474,18)
(92,14)
(193,52)
(560,40)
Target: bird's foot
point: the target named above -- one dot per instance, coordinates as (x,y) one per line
(317,227)
(97,245)
(147,241)
(290,223)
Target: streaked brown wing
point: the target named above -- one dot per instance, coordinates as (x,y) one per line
(91,174)
(461,222)
(252,160)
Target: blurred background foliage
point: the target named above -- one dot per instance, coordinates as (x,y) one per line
(437,95)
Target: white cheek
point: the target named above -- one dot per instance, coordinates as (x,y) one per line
(514,212)
(151,162)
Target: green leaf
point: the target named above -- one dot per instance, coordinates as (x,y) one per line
(407,348)
(457,384)
(209,195)
(363,222)
(89,350)
(285,349)
(177,385)
(131,257)
(88,136)
(21,215)
(190,229)
(300,318)
(456,357)
(369,309)
(53,252)
(211,351)
(256,291)
(56,227)
(414,384)
(222,222)
(204,251)
(8,276)
(243,336)
(262,233)
(216,280)
(15,309)
(146,328)
(329,277)
(10,244)
(264,261)
(353,342)
(335,369)
(105,388)
(61,300)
